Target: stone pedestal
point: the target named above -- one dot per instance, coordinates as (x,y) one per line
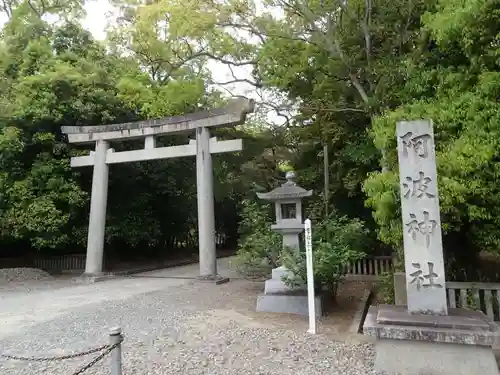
(459,343)
(276,285)
(280,298)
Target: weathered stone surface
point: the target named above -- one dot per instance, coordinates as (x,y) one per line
(273,286)
(279,272)
(243,106)
(404,357)
(234,114)
(464,334)
(400,297)
(276,285)
(289,190)
(289,303)
(457,318)
(424,264)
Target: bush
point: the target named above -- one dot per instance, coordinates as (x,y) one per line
(259,248)
(386,287)
(336,243)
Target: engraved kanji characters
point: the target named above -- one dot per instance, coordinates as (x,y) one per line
(419,144)
(419,277)
(425,227)
(417,188)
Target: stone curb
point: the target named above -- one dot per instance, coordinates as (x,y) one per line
(364,304)
(117,274)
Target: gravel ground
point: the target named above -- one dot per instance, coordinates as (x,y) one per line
(171,326)
(9,275)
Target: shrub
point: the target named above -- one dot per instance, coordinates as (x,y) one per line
(337,242)
(385,287)
(259,247)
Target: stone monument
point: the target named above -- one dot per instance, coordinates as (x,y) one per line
(426,337)
(278,297)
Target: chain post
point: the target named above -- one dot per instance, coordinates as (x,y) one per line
(115,339)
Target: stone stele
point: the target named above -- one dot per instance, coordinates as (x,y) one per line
(425,337)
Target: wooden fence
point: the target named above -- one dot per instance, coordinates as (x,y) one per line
(476,296)
(72,262)
(372,266)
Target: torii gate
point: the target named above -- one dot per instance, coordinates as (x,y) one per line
(200,122)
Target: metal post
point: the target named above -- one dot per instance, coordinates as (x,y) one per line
(115,337)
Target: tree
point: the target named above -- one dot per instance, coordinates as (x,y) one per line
(456,83)
(57,74)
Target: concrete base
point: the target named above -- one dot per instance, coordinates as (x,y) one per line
(89,278)
(407,357)
(457,344)
(288,304)
(217,280)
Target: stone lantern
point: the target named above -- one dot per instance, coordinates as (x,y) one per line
(288,205)
(278,297)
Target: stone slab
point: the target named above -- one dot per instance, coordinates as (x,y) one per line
(458,318)
(276,286)
(397,357)
(288,304)
(464,335)
(218,280)
(278,273)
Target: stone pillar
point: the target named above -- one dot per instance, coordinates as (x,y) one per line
(400,289)
(206,214)
(424,264)
(426,337)
(98,203)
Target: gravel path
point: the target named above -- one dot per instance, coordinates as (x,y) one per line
(171,326)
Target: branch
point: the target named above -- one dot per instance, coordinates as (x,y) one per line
(7,7)
(262,35)
(335,49)
(34,9)
(365,27)
(237,80)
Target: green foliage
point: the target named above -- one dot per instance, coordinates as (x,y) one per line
(385,287)
(347,243)
(457,86)
(39,202)
(351,69)
(56,74)
(259,247)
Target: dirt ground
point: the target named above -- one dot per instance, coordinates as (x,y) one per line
(335,323)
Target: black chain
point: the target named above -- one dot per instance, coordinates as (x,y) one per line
(51,359)
(105,349)
(98,358)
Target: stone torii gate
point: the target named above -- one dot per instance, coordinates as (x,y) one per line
(199,122)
